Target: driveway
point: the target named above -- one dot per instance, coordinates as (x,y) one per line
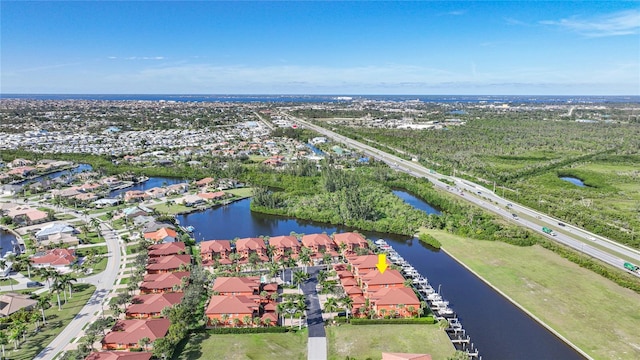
(314,312)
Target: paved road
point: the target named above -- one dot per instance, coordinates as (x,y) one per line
(317,341)
(572,236)
(104,284)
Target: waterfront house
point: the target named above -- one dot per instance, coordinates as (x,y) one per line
(283,245)
(403,302)
(169,263)
(119,355)
(135,196)
(191,200)
(320,244)
(126,334)
(162,283)
(215,249)
(375,280)
(25,215)
(151,305)
(247,246)
(350,242)
(163,235)
(204,182)
(208,196)
(165,249)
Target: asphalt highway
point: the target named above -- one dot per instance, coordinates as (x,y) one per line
(579,239)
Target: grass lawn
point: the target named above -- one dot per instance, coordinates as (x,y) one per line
(241,192)
(164,208)
(598,316)
(8,281)
(369,341)
(290,346)
(56,322)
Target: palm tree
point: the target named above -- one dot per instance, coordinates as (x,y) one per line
(305,257)
(144,343)
(412,310)
(331,305)
(215,322)
(24,262)
(383,312)
(301,306)
(267,322)
(423,305)
(3,341)
(57,287)
(299,277)
(235,322)
(246,320)
(347,302)
(14,335)
(43,303)
(68,280)
(322,276)
(224,318)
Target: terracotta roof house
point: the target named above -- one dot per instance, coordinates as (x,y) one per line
(151,305)
(215,249)
(405,356)
(395,299)
(165,249)
(163,235)
(135,195)
(59,259)
(170,263)
(119,355)
(227,308)
(283,245)
(320,243)
(213,195)
(156,192)
(375,280)
(161,283)
(125,334)
(24,215)
(350,241)
(361,265)
(247,246)
(12,302)
(204,182)
(358,306)
(237,286)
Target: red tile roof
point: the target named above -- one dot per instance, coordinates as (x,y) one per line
(395,296)
(236,284)
(131,331)
(221,304)
(210,196)
(205,181)
(405,356)
(250,244)
(119,355)
(168,263)
(153,303)
(215,246)
(161,234)
(317,240)
(56,257)
(172,248)
(286,242)
(163,281)
(389,277)
(350,238)
(364,261)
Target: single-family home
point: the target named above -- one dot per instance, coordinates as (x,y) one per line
(54,229)
(163,235)
(12,302)
(58,259)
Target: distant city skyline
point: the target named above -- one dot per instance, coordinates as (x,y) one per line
(455,47)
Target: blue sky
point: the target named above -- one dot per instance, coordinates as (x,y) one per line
(365,47)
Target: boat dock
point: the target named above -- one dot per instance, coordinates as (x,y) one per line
(439,306)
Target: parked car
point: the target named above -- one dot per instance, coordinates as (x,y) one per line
(34,284)
(561,224)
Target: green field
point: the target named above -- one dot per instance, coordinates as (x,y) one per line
(290,346)
(241,192)
(56,322)
(598,316)
(369,341)
(172,209)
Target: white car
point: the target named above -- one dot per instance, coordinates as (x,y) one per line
(591,238)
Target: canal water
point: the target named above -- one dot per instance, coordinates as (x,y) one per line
(76,170)
(7,241)
(497,328)
(151,183)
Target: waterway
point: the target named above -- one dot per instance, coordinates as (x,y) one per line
(76,170)
(574,181)
(7,242)
(498,328)
(156,181)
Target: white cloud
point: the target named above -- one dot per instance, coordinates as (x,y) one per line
(614,24)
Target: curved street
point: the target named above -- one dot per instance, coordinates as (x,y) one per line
(579,239)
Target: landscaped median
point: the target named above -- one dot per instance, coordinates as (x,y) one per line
(597,315)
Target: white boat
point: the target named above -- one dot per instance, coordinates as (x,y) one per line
(380,242)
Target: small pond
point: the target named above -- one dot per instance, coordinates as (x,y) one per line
(574,181)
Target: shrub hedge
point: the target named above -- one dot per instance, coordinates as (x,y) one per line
(244,330)
(416,321)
